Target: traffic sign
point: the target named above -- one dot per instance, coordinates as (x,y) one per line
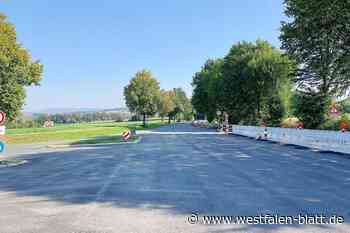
(126,135)
(2,117)
(2,146)
(334,110)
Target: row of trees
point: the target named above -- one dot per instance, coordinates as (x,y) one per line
(38,120)
(251,83)
(256,82)
(144,97)
(85,117)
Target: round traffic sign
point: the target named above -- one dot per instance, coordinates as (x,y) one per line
(2,146)
(126,135)
(2,117)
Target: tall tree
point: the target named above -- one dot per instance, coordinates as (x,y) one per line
(182,105)
(206,88)
(142,94)
(270,74)
(317,36)
(238,98)
(17,70)
(251,74)
(166,104)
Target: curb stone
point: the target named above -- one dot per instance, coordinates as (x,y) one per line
(99,144)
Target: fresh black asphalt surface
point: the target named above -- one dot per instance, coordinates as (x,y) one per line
(153,186)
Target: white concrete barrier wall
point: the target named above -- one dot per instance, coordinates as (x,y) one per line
(319,139)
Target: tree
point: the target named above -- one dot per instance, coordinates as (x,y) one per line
(142,94)
(166,104)
(274,111)
(310,108)
(317,36)
(270,73)
(17,70)
(236,95)
(206,88)
(182,105)
(251,74)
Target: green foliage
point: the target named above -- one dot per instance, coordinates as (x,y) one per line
(317,37)
(311,108)
(274,110)
(142,95)
(23,124)
(17,70)
(206,85)
(182,105)
(345,105)
(166,104)
(251,83)
(252,74)
(335,123)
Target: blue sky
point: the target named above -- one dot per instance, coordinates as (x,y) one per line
(90,49)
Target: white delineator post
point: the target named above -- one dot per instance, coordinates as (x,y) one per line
(226,126)
(2,130)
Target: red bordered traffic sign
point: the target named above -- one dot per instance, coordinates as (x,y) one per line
(126,135)
(334,110)
(2,117)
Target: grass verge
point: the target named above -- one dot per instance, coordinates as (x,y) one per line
(74,132)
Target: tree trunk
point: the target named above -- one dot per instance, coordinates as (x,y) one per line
(144,120)
(169,119)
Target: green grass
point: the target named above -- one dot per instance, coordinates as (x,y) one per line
(71,132)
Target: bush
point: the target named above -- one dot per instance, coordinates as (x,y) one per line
(335,123)
(330,124)
(291,122)
(23,124)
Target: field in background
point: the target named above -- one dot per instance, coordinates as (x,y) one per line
(71,132)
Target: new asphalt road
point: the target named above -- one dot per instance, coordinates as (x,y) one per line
(155,185)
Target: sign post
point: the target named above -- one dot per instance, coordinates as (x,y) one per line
(2,146)
(2,130)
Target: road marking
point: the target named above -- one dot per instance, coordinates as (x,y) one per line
(100,194)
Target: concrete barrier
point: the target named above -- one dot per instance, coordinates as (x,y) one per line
(325,140)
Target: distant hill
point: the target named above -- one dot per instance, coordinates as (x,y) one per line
(75,110)
(116,110)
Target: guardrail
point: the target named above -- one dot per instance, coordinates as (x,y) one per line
(319,139)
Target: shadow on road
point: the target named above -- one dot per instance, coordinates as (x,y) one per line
(181,174)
